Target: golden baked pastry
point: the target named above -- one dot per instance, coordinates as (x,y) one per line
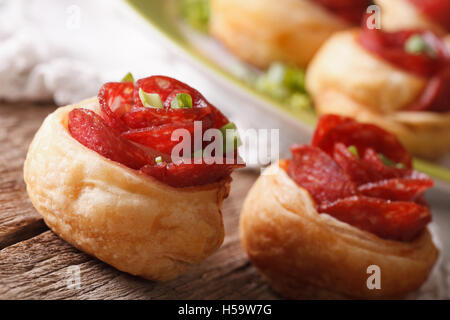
(403,14)
(264,31)
(125,217)
(345,78)
(307,255)
(307,251)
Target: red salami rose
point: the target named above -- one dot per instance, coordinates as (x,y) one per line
(351,11)
(432,61)
(361,175)
(131,134)
(436,10)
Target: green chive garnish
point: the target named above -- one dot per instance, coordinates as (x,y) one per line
(416,44)
(181,100)
(158,159)
(231,136)
(128,78)
(389,162)
(150,100)
(196,13)
(354,151)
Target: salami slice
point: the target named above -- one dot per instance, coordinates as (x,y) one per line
(317,172)
(386,172)
(219,119)
(168,88)
(160,137)
(361,135)
(90,130)
(406,189)
(396,220)
(149,117)
(188,174)
(359,170)
(436,10)
(362,187)
(326,123)
(133,135)
(351,11)
(436,96)
(116,99)
(390,46)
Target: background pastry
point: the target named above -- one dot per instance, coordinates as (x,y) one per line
(363,75)
(122,201)
(431,15)
(311,226)
(263,31)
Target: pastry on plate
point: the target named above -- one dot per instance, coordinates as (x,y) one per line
(416,14)
(264,31)
(101,174)
(397,80)
(344,218)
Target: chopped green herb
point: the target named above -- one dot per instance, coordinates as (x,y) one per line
(389,162)
(273,89)
(232,140)
(300,102)
(196,13)
(128,78)
(150,100)
(354,151)
(181,100)
(158,159)
(286,84)
(416,44)
(294,79)
(276,73)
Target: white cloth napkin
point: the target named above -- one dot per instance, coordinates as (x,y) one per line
(64,50)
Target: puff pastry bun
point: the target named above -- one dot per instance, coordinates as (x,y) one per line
(401,14)
(344,78)
(303,254)
(124,218)
(263,31)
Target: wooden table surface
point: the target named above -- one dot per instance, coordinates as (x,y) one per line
(35,263)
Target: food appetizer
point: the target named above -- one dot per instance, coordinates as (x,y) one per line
(314,224)
(264,31)
(101,174)
(431,15)
(399,81)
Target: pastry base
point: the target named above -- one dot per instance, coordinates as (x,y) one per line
(307,255)
(264,31)
(345,79)
(124,218)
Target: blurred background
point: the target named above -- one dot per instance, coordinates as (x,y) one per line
(65,50)
(57,52)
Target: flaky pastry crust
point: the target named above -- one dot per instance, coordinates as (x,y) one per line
(263,31)
(346,79)
(124,218)
(402,14)
(307,255)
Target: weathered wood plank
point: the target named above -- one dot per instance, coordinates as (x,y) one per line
(38,268)
(18,219)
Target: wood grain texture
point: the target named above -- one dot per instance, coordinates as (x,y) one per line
(39,268)
(18,219)
(36,264)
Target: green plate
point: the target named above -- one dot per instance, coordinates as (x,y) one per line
(163,16)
